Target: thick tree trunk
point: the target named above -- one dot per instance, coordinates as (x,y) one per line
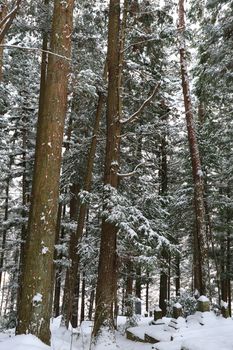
(200,250)
(35,307)
(105,293)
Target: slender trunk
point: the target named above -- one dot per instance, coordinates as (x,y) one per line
(138,282)
(129,289)
(105,293)
(71,273)
(147,292)
(35,307)
(200,243)
(4,233)
(58,270)
(91,304)
(177,272)
(163,290)
(83,210)
(82,316)
(3,12)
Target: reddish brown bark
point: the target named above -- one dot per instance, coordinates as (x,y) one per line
(105,293)
(35,307)
(200,249)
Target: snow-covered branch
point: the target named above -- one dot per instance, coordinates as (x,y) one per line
(135,115)
(134,171)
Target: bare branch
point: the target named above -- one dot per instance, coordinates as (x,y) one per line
(35,49)
(138,43)
(8,20)
(135,115)
(134,171)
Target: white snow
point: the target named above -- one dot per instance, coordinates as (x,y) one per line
(37,298)
(203,298)
(214,334)
(177,306)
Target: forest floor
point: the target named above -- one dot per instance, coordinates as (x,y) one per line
(198,332)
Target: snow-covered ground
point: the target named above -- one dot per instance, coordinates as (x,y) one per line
(202,331)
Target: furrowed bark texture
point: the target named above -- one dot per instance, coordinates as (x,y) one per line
(106,284)
(200,250)
(35,307)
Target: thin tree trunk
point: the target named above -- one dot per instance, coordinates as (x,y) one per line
(91,304)
(163,290)
(138,282)
(71,273)
(83,299)
(177,272)
(83,210)
(58,271)
(35,307)
(3,12)
(199,241)
(105,293)
(4,233)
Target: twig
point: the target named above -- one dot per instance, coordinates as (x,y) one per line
(134,171)
(34,49)
(135,115)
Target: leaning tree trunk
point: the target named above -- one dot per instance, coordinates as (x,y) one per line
(35,307)
(105,292)
(72,272)
(200,250)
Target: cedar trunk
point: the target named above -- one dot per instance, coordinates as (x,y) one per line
(106,292)
(200,250)
(35,307)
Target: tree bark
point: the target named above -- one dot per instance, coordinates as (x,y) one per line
(200,250)
(3,12)
(35,307)
(105,293)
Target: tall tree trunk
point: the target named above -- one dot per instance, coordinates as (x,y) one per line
(138,282)
(82,316)
(91,304)
(105,293)
(35,307)
(3,12)
(4,233)
(177,273)
(73,273)
(163,289)
(200,249)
